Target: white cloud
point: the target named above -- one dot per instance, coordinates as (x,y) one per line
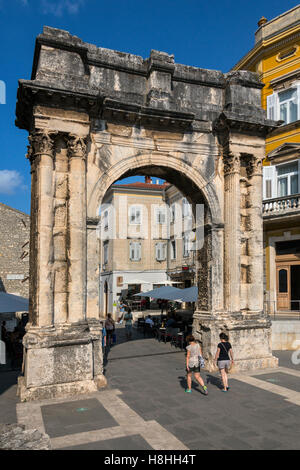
(10,180)
(58,7)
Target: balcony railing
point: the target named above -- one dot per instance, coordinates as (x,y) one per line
(281,205)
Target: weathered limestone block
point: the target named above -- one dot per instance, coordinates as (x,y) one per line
(17,437)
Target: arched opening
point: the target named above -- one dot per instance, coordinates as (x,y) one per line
(196,267)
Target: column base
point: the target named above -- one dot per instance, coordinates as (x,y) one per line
(47,392)
(249,335)
(62,361)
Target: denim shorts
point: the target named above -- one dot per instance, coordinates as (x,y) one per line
(224,364)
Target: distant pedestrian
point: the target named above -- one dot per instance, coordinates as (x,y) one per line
(194,352)
(104,337)
(128,323)
(110,329)
(224,359)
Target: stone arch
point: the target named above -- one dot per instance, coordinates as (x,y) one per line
(171,163)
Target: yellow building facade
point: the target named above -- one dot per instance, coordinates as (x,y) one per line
(276,58)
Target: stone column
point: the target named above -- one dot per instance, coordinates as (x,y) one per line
(41,155)
(256,294)
(77,229)
(232,232)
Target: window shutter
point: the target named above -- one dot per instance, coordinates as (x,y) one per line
(271,106)
(131,251)
(269,182)
(139,251)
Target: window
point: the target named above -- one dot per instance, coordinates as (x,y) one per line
(135,251)
(173,213)
(186,251)
(287,179)
(288,105)
(105,220)
(186,207)
(282,278)
(105,252)
(281,180)
(161,215)
(160,251)
(285,105)
(135,215)
(173,249)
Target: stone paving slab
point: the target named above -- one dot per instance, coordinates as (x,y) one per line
(123,443)
(74,417)
(280,378)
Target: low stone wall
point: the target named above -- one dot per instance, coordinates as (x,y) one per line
(286,335)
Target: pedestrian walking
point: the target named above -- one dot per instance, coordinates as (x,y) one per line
(193,357)
(224,359)
(128,323)
(110,329)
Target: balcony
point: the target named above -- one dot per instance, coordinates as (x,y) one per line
(281,206)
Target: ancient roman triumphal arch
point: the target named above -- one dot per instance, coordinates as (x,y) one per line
(95,115)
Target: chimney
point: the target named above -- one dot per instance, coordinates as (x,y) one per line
(148,180)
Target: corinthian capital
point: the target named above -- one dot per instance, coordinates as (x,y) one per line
(41,143)
(254,165)
(231,164)
(76,146)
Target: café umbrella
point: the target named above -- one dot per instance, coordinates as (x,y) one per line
(172,293)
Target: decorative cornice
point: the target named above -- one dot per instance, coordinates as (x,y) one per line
(229,121)
(30,95)
(260,49)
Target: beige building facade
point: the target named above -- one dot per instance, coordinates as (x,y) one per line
(133,233)
(95,116)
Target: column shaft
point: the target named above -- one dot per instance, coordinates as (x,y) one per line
(232,233)
(256,294)
(42,220)
(77,229)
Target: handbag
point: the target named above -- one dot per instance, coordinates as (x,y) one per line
(201,361)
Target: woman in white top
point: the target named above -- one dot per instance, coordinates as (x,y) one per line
(193,364)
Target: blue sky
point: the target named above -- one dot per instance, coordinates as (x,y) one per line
(206,34)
